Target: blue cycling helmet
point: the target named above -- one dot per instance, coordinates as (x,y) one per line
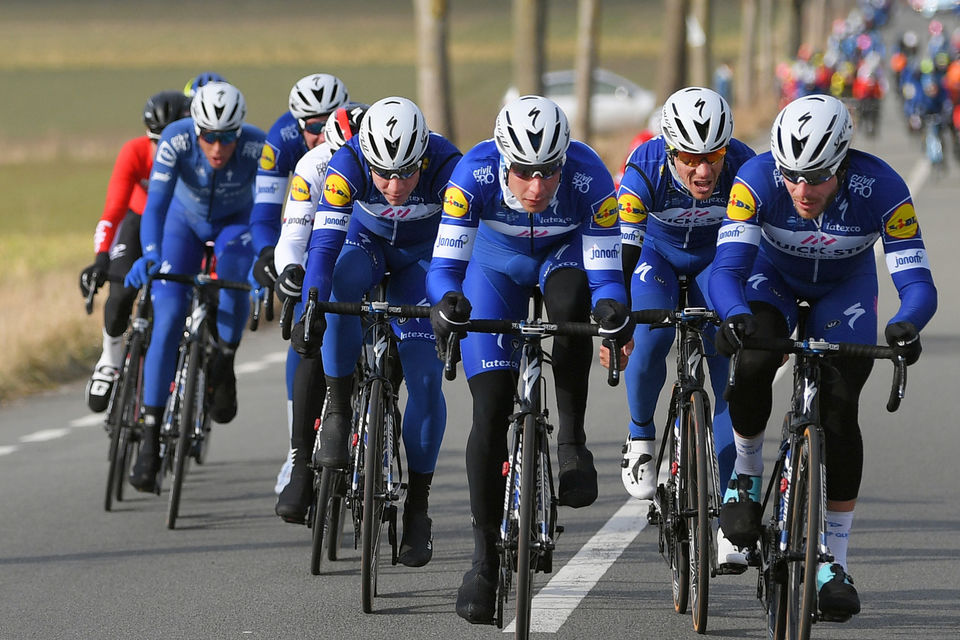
(201,79)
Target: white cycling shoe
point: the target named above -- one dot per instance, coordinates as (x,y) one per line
(638,469)
(731,559)
(284,476)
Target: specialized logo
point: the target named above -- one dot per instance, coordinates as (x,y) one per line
(756,280)
(742,206)
(853,312)
(903,223)
(642,270)
(299,189)
(455,203)
(631,209)
(336,192)
(268,158)
(606,215)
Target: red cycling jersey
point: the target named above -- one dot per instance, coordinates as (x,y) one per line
(127,189)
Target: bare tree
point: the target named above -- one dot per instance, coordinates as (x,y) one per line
(433,65)
(673,67)
(746,86)
(701,54)
(586,56)
(529,35)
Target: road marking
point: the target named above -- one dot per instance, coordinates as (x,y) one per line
(558,599)
(10,448)
(918,175)
(44,435)
(91,420)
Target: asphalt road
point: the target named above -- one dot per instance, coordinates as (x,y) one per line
(232,569)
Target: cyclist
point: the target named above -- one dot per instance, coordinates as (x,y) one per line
(800,225)
(295,132)
(308,382)
(116,240)
(381,203)
(201,189)
(194,83)
(672,199)
(549,219)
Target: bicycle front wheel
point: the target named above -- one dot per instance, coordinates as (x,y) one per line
(698,499)
(527,547)
(120,419)
(188,417)
(373,495)
(323,517)
(804,541)
(676,504)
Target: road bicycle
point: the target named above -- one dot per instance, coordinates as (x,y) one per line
(792,540)
(529,529)
(933,142)
(185,426)
(372,485)
(684,506)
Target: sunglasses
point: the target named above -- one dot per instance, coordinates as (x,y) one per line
(529,172)
(694,159)
(402,173)
(813,178)
(315,127)
(223,137)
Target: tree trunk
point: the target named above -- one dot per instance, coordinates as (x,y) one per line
(701,55)
(745,74)
(433,66)
(586,55)
(673,63)
(529,31)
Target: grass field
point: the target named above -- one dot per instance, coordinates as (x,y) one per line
(75,75)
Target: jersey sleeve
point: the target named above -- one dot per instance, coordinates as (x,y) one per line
(163,180)
(906,259)
(125,190)
(275,165)
(634,200)
(299,214)
(601,241)
(456,235)
(737,244)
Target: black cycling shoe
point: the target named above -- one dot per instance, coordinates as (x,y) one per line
(223,384)
(100,387)
(578,476)
(297,496)
(416,545)
(477,596)
(334,441)
(836,596)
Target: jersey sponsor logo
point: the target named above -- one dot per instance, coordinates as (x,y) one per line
(861,185)
(581,182)
(484,175)
(332,221)
(854,312)
(166,155)
(631,209)
(631,236)
(268,157)
(606,215)
(738,233)
(454,242)
(299,189)
(458,242)
(642,270)
(252,150)
(602,254)
(455,203)
(807,244)
(336,192)
(903,223)
(302,221)
(911,259)
(741,206)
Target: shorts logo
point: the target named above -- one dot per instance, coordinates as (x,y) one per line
(299,189)
(335,191)
(631,209)
(268,158)
(903,223)
(455,203)
(606,215)
(742,205)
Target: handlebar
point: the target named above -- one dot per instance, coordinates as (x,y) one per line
(262,304)
(203,280)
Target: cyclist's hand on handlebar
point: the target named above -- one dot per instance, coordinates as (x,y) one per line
(625,352)
(449,315)
(614,320)
(290,283)
(300,345)
(905,340)
(264,270)
(145,266)
(95,275)
(732,331)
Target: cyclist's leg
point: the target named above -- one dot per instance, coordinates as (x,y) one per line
(292,363)
(654,286)
(234,258)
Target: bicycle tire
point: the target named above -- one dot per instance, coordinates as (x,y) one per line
(698,495)
(321,507)
(120,421)
(679,551)
(773,569)
(804,537)
(373,496)
(187,420)
(508,530)
(335,519)
(527,554)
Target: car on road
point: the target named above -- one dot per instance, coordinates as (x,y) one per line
(616,103)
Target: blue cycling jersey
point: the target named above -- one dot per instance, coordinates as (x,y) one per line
(181,170)
(484,223)
(349,192)
(282,150)
(815,256)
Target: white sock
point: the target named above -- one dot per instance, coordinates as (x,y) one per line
(289,420)
(749,455)
(112,351)
(838,534)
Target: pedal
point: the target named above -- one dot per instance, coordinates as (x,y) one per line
(831,617)
(653,515)
(731,569)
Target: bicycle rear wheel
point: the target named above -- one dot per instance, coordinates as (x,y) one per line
(323,523)
(527,548)
(120,419)
(804,541)
(676,527)
(698,499)
(187,421)
(373,495)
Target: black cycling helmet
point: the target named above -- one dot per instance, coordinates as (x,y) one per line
(162,109)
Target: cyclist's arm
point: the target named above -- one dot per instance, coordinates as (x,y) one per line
(124,190)
(276,163)
(329,229)
(599,240)
(163,180)
(302,200)
(906,258)
(737,244)
(456,238)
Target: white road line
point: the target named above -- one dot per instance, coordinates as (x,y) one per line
(918,175)
(4,450)
(558,599)
(91,420)
(44,435)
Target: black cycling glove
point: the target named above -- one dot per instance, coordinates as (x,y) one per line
(905,339)
(93,276)
(732,331)
(614,320)
(290,283)
(264,270)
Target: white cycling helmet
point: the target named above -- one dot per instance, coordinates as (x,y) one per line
(393,134)
(532,131)
(218,106)
(343,124)
(696,120)
(811,133)
(316,95)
